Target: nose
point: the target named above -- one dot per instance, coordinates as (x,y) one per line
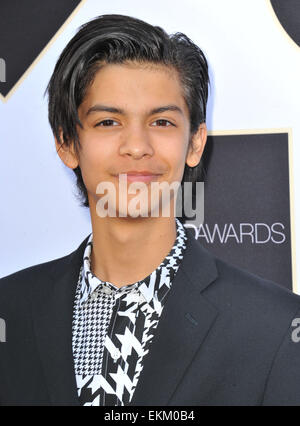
(136,142)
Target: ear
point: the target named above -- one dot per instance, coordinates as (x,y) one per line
(197,146)
(66,153)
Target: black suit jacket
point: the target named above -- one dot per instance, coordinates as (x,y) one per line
(224,337)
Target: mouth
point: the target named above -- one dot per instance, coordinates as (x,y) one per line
(138,177)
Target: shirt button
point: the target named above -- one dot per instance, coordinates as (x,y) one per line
(94,296)
(116,355)
(142,298)
(107,290)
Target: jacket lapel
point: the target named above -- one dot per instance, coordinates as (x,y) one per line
(182,328)
(52,304)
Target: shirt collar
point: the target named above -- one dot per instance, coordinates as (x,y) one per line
(153,288)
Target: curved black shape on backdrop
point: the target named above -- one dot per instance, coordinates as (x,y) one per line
(26,27)
(288,14)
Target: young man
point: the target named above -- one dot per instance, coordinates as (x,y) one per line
(140,313)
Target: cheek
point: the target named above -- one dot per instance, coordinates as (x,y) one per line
(93,153)
(177,154)
(93,161)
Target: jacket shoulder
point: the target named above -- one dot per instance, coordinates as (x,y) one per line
(20,280)
(252,287)
(229,285)
(24,277)
(257,306)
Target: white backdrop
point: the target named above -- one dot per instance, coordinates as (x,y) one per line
(254,70)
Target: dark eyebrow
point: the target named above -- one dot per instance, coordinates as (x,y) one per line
(99,108)
(166,108)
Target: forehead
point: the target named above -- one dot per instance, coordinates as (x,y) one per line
(135,85)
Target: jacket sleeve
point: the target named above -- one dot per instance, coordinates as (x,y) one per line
(283,383)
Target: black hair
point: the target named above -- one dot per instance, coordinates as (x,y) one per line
(116,39)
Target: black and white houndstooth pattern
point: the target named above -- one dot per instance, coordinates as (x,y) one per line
(114,327)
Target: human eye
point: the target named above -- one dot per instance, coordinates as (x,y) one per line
(107,123)
(163,123)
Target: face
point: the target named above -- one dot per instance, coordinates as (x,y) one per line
(134,118)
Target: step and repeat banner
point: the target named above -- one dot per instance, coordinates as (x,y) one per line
(251,196)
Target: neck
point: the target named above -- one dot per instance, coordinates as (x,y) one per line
(127,250)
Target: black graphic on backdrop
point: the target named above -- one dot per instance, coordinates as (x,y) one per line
(288,13)
(247,204)
(25,29)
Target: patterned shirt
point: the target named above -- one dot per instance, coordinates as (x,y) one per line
(113,327)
